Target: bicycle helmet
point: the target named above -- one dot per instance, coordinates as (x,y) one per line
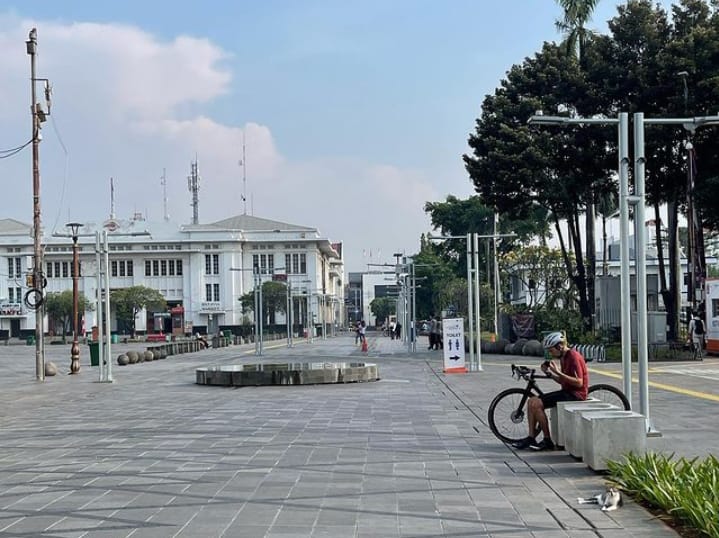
(552,339)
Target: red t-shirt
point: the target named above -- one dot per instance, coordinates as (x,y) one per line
(574,365)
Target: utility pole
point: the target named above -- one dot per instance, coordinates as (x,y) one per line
(34,296)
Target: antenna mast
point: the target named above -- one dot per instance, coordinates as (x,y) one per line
(193,185)
(163,182)
(244,175)
(112,199)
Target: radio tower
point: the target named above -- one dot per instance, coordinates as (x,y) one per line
(163,182)
(193,184)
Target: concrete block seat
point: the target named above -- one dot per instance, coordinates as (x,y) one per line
(555,426)
(573,416)
(609,434)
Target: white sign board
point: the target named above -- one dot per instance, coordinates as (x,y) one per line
(453,344)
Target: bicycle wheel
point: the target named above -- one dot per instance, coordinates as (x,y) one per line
(609,394)
(507,415)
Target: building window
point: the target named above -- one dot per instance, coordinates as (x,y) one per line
(65,270)
(49,270)
(303,264)
(216,289)
(122,267)
(179,267)
(148,268)
(215,264)
(57,270)
(155,268)
(208,264)
(113,268)
(208,292)
(130,270)
(11,295)
(171,267)
(163,267)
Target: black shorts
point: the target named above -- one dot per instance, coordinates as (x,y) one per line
(550,399)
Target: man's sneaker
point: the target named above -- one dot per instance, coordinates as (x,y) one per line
(524,443)
(544,444)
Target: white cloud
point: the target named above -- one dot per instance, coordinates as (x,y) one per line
(128,105)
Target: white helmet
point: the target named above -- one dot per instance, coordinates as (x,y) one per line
(552,339)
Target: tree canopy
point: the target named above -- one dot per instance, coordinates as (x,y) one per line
(128,302)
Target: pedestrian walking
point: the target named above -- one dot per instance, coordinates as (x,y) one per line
(696,334)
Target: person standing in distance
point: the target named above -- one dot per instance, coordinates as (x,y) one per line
(696,334)
(571,374)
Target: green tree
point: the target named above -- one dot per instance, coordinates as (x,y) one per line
(382,308)
(128,302)
(517,169)
(274,299)
(58,306)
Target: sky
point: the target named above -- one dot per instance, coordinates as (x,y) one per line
(353,114)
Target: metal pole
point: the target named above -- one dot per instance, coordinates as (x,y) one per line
(626,308)
(107,356)
(261,312)
(477,317)
(414,309)
(99,308)
(289,313)
(74,348)
(496,275)
(640,261)
(470,303)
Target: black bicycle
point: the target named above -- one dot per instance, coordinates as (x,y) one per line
(507,412)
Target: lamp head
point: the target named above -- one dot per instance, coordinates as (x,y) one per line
(74,228)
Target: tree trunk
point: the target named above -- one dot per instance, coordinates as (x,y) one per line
(591,255)
(672,299)
(580,278)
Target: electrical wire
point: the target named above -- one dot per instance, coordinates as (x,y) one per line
(65,172)
(6,153)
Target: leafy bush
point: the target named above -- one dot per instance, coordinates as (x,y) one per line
(688,490)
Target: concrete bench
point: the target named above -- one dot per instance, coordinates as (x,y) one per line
(555,428)
(573,442)
(609,434)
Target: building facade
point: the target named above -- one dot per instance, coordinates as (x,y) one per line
(202,270)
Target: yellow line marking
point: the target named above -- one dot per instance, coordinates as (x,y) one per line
(663,386)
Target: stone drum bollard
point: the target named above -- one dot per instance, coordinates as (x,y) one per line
(149,356)
(134,356)
(123,360)
(50,369)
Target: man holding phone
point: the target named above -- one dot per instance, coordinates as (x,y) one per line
(572,376)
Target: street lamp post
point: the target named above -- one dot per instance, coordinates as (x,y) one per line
(75,348)
(622,121)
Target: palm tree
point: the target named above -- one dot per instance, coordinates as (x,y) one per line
(577,13)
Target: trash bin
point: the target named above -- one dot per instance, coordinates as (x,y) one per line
(114,339)
(227,333)
(94,353)
(30,340)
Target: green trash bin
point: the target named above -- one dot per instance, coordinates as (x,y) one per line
(227,333)
(114,339)
(94,353)
(30,340)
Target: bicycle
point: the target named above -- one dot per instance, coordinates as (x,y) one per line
(507,412)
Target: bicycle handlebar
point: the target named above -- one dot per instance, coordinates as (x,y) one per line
(526,373)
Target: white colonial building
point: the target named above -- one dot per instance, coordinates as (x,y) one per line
(201,269)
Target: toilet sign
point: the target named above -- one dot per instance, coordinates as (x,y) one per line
(453,345)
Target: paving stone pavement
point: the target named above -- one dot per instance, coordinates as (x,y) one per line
(155,455)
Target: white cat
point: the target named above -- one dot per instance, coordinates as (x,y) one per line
(608,501)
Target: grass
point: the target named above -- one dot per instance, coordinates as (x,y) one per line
(686,490)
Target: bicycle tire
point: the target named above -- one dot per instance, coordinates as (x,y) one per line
(507,419)
(609,394)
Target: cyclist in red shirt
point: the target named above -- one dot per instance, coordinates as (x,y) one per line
(573,377)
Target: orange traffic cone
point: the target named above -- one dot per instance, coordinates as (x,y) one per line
(364,345)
